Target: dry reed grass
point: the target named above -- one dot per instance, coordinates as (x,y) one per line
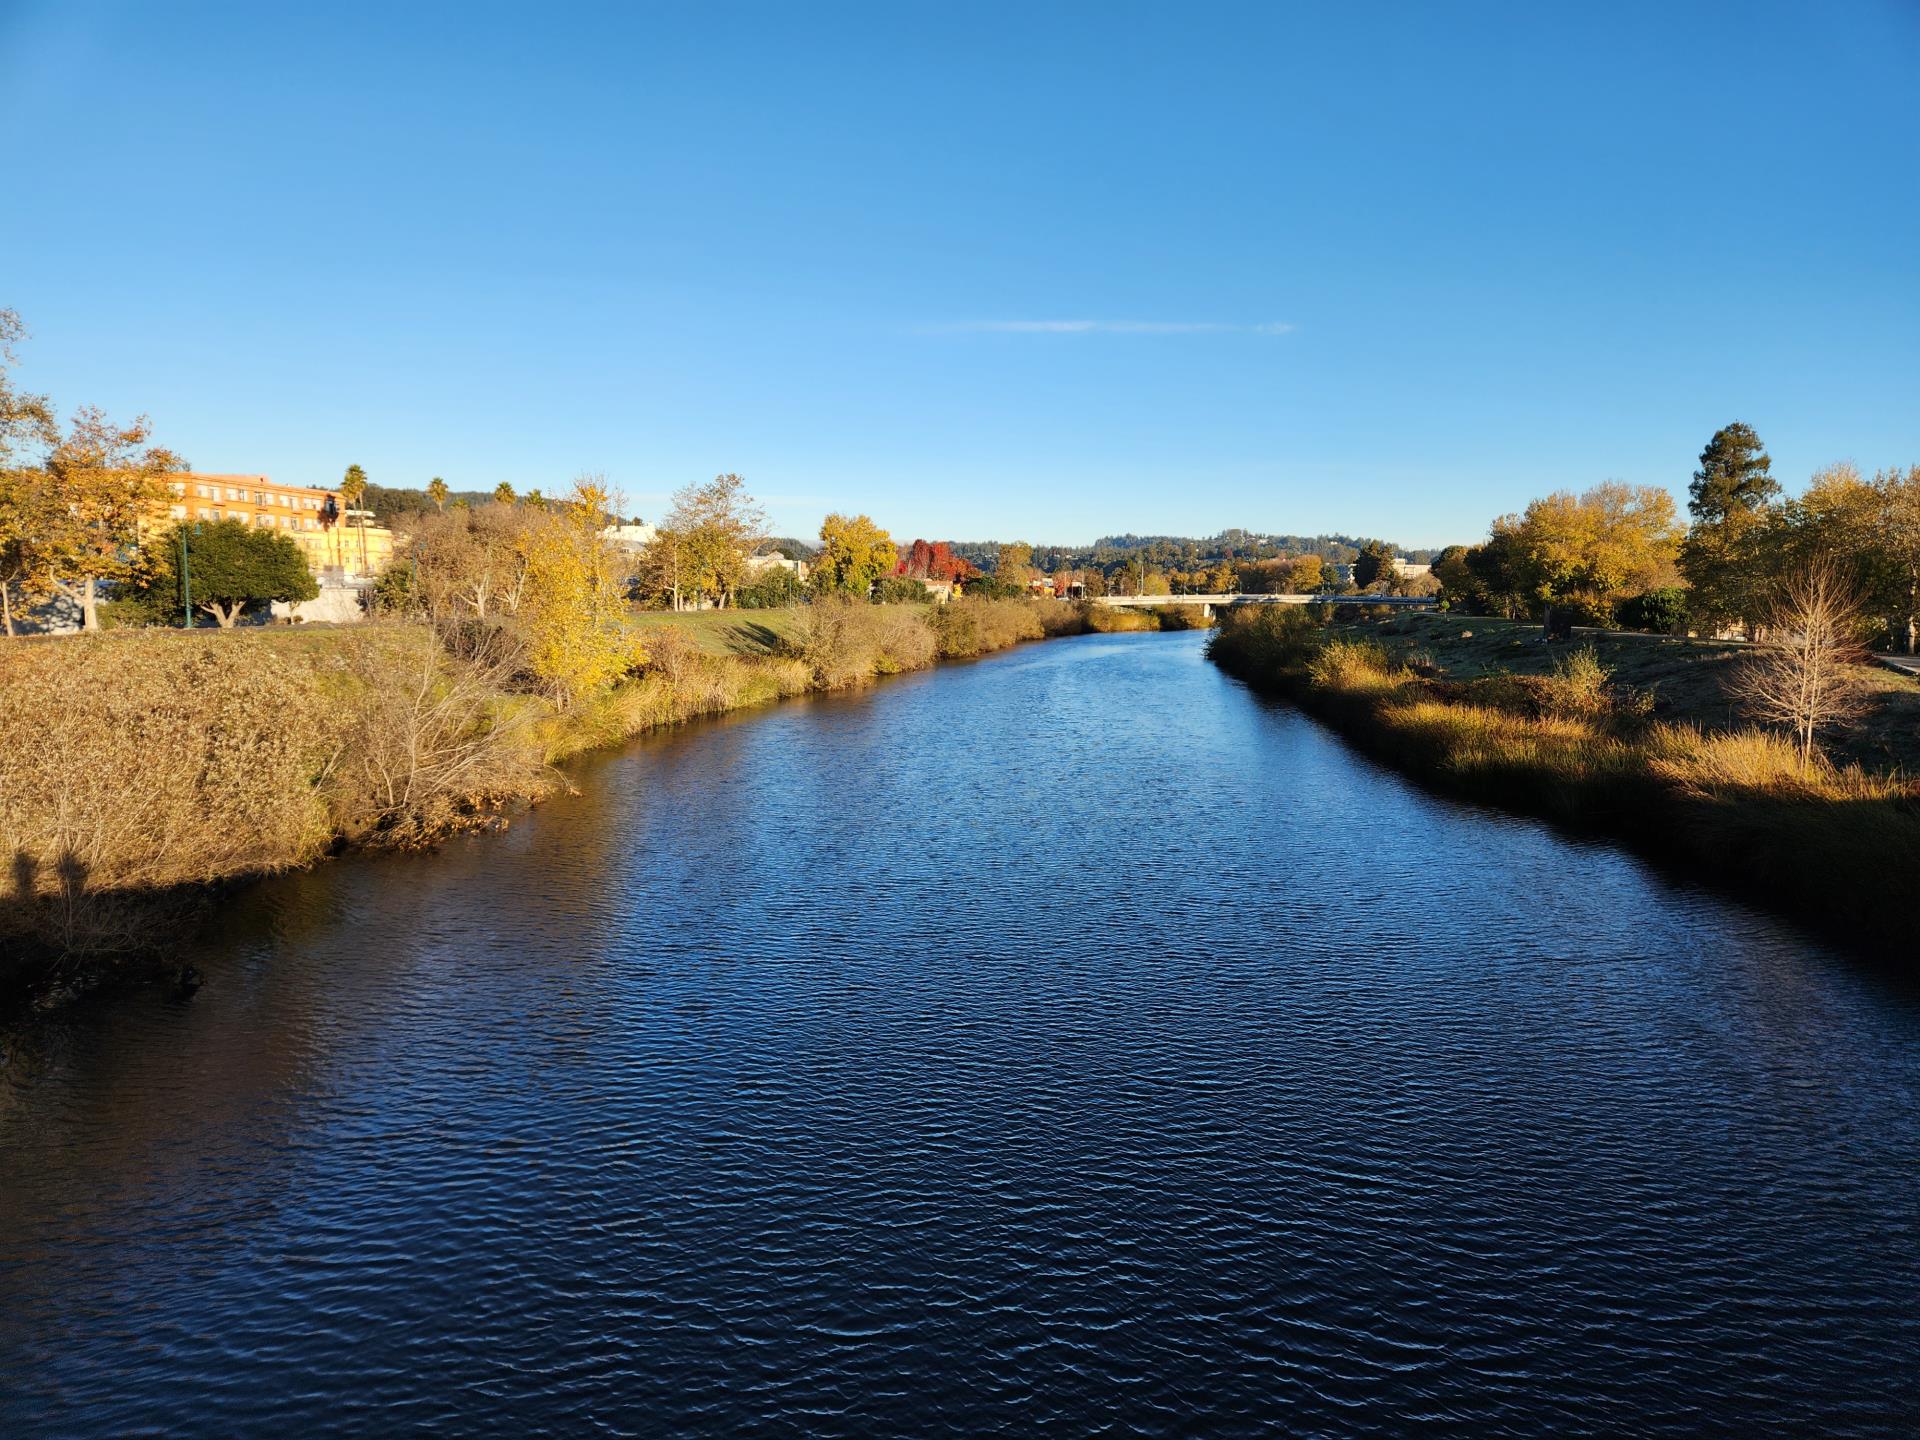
(139,764)
(1741,807)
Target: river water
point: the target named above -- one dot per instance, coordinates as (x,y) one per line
(1069,1043)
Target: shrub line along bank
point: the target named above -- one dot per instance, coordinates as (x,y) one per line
(146,771)
(1832,845)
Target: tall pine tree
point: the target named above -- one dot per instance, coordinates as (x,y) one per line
(1735,476)
(1734,500)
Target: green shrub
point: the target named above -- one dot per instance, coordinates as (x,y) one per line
(1659,612)
(901,590)
(1578,685)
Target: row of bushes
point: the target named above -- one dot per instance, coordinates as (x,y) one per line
(1735,807)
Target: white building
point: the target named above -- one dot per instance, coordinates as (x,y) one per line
(630,537)
(774,560)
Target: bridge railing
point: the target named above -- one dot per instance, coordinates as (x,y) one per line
(1412,602)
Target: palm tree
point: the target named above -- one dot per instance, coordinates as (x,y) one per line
(437,492)
(353,489)
(503,492)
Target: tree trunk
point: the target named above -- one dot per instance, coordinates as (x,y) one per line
(89,606)
(6,605)
(225,614)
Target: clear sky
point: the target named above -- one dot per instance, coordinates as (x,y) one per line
(1037,270)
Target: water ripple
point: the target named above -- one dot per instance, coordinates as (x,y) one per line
(1065,1044)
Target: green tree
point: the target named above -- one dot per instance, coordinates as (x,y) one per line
(770,589)
(854,554)
(231,565)
(437,492)
(1735,476)
(1458,585)
(1732,500)
(901,590)
(1373,564)
(1898,493)
(1659,612)
(1495,565)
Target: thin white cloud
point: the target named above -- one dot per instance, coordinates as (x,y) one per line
(1113,327)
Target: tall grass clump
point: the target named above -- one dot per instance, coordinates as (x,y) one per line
(1254,640)
(140,762)
(1117,619)
(844,641)
(968,627)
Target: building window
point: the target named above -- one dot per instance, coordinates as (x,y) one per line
(179,512)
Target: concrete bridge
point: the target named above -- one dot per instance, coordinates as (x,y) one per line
(1208,602)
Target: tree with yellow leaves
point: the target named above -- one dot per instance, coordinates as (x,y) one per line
(854,553)
(25,420)
(701,547)
(572,611)
(1594,549)
(103,485)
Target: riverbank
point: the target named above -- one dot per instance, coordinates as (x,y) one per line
(1657,761)
(148,771)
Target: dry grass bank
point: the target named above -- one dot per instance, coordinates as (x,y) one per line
(1838,843)
(1688,681)
(139,769)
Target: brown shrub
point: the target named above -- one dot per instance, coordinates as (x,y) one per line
(138,761)
(426,737)
(970,627)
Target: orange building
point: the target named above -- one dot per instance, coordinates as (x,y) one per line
(332,537)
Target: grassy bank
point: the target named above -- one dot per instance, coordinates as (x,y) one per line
(145,770)
(1644,749)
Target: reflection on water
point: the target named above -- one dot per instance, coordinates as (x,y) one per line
(1064,1043)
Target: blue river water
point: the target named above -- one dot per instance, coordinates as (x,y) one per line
(1070,1043)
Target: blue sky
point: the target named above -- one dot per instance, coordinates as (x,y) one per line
(1047,271)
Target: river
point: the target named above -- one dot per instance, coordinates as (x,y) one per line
(1068,1043)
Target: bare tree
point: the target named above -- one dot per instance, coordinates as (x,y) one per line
(1803,679)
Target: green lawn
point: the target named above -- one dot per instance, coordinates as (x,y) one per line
(727,632)
(1687,677)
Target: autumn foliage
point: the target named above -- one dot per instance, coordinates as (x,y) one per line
(933,560)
